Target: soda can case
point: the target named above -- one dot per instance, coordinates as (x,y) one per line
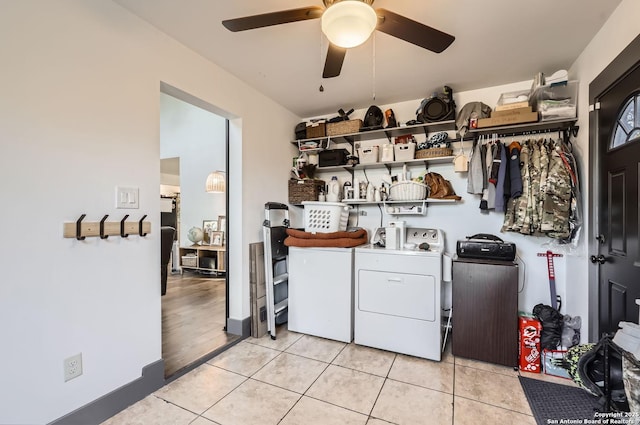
(529,347)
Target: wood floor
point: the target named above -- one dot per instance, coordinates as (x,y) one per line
(193,319)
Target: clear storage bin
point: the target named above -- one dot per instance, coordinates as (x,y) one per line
(556,101)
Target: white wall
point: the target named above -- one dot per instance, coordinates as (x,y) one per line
(80,114)
(198,138)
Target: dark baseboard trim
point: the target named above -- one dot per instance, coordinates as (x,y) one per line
(239,327)
(202,360)
(151,380)
(117,400)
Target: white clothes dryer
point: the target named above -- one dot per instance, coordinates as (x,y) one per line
(398,295)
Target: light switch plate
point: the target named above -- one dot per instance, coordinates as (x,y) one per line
(127,197)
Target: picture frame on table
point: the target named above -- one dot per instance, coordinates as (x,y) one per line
(208,226)
(217,238)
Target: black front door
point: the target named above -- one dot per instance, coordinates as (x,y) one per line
(617,253)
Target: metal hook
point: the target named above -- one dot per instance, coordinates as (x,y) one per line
(102,235)
(140,232)
(122,233)
(79,228)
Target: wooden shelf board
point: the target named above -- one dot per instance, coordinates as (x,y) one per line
(111,228)
(551,125)
(386,132)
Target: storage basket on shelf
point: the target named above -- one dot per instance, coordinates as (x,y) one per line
(404,151)
(343,127)
(368,155)
(325,217)
(408,191)
(304,190)
(316,129)
(189,261)
(433,153)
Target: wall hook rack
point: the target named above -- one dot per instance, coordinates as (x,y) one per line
(122,223)
(81,229)
(571,131)
(102,235)
(140,223)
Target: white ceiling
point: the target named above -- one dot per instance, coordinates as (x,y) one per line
(497,42)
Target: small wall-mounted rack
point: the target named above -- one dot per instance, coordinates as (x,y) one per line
(103,229)
(556,301)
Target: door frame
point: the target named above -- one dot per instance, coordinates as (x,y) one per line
(619,68)
(195,101)
(226,222)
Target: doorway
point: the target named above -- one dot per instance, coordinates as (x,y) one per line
(615,147)
(195,305)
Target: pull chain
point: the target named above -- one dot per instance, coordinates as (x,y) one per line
(373,73)
(321,88)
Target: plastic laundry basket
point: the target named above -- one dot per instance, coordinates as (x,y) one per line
(325,217)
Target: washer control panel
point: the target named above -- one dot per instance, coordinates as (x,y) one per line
(425,239)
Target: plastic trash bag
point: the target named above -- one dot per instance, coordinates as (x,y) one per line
(552,322)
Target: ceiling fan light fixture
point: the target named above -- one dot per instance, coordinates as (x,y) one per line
(349,23)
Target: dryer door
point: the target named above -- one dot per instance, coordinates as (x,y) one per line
(405,295)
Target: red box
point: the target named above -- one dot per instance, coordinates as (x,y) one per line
(529,335)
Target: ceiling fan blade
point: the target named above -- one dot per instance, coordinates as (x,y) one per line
(274,18)
(333,63)
(414,32)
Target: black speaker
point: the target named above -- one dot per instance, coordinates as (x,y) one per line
(439,107)
(373,119)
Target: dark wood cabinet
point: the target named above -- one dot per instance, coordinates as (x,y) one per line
(485,311)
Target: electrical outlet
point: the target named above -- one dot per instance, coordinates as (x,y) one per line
(72,367)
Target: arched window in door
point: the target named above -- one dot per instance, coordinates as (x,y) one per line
(627,128)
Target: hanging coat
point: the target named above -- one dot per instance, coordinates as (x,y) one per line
(474,173)
(532,221)
(544,172)
(514,169)
(523,200)
(492,174)
(500,198)
(557,200)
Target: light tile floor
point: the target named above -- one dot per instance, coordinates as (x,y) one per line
(304,380)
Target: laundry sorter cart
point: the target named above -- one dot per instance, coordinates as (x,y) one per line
(276,264)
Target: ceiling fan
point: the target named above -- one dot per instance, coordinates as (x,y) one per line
(349,23)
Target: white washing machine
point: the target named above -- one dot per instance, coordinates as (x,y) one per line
(321,292)
(398,295)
